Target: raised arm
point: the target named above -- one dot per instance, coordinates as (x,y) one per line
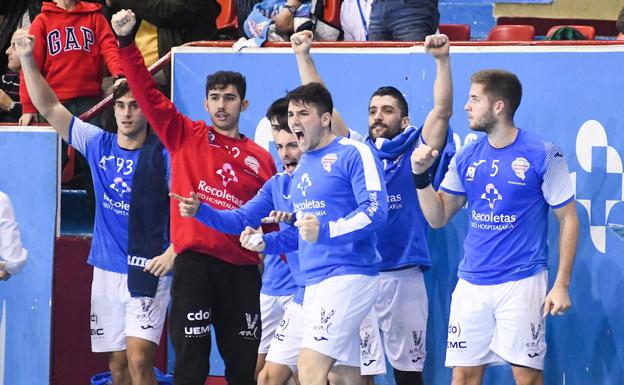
(168,123)
(437,122)
(40,92)
(301,43)
(437,207)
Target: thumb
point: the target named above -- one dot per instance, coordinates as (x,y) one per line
(193,195)
(435,153)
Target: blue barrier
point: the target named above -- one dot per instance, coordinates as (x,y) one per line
(572,96)
(28,174)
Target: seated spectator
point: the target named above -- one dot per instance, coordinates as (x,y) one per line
(15,15)
(12,254)
(397,20)
(10,107)
(620,21)
(354,19)
(71,39)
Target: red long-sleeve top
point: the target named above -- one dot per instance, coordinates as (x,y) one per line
(70,50)
(225,172)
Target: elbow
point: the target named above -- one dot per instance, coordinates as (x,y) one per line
(436,223)
(444,111)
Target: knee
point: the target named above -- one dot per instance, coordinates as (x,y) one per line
(308,375)
(528,377)
(264,378)
(138,363)
(463,377)
(117,364)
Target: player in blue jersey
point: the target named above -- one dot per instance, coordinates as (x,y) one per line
(126,327)
(509,178)
(340,201)
(280,280)
(402,301)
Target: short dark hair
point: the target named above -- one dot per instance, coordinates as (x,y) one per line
(395,93)
(500,84)
(279,110)
(121,90)
(222,79)
(312,93)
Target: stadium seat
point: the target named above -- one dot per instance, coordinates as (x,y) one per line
(587,30)
(455,32)
(512,33)
(67,174)
(227,18)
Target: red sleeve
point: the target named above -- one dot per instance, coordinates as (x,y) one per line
(168,123)
(108,45)
(37,29)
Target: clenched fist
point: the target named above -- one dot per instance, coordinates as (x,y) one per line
(123,22)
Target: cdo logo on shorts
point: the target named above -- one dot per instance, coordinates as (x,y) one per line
(454,338)
(194,317)
(95,330)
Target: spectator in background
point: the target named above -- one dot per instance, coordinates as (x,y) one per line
(620,21)
(10,107)
(354,19)
(398,20)
(71,39)
(15,14)
(168,23)
(12,254)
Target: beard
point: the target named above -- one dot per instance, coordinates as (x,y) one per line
(388,132)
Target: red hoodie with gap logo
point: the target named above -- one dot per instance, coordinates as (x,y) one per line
(70,49)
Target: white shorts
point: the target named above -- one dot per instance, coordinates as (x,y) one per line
(286,343)
(333,311)
(116,315)
(498,323)
(402,310)
(272,308)
(372,358)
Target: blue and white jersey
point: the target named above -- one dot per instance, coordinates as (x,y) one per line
(342,185)
(279,278)
(508,191)
(402,241)
(112,169)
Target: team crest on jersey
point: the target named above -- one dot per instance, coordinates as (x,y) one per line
(328,160)
(304,183)
(103,160)
(491,195)
(252,163)
(470,172)
(120,186)
(227,174)
(520,166)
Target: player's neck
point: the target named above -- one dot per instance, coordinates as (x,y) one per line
(502,135)
(132,142)
(231,133)
(326,139)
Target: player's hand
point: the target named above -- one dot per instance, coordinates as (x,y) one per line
(162,264)
(188,206)
(437,45)
(4,274)
(278,216)
(24,43)
(5,101)
(251,239)
(123,22)
(28,118)
(284,21)
(422,158)
(309,227)
(301,42)
(557,301)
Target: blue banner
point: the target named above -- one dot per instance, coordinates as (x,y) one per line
(571,96)
(28,175)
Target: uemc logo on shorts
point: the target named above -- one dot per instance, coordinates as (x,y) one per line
(95,330)
(198,331)
(454,332)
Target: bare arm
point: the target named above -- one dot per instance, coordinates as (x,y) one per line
(40,92)
(558,299)
(437,207)
(301,43)
(436,125)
